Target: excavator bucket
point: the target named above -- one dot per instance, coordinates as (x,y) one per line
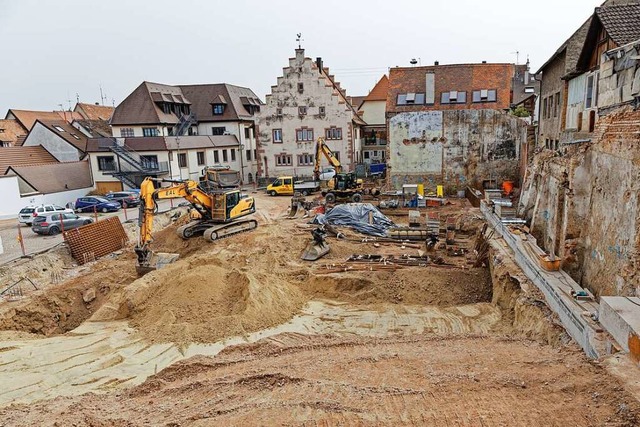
(315,251)
(297,208)
(150,261)
(318,247)
(293,211)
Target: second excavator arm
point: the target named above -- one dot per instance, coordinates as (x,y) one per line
(323,149)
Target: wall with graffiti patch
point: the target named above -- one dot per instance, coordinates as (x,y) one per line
(453,148)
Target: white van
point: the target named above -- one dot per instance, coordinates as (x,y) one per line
(27,214)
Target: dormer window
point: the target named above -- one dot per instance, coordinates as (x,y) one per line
(218,109)
(166,108)
(453,97)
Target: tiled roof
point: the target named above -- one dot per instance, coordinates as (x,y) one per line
(27,118)
(151,143)
(622,22)
(94,112)
(379,91)
(55,177)
(70,134)
(21,156)
(97,128)
(10,130)
(142,105)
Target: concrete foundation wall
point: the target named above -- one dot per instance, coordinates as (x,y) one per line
(454,148)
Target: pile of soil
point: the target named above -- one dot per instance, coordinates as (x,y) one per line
(204,301)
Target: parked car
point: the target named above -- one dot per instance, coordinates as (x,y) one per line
(28,213)
(91,203)
(327,173)
(125,198)
(54,223)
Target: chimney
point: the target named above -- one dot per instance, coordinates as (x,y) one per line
(319,64)
(436,63)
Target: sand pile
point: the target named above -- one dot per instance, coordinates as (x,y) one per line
(205,302)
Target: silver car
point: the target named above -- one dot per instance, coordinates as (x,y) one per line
(53,224)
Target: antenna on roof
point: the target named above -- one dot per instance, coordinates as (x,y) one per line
(299,39)
(517,53)
(101,96)
(77,98)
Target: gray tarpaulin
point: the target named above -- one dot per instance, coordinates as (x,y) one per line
(362,217)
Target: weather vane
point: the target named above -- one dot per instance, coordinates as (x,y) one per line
(299,39)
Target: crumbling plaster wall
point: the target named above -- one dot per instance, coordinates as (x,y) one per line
(584,205)
(454,148)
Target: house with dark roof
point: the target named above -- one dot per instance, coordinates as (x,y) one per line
(63,141)
(307,102)
(154,109)
(372,109)
(569,88)
(449,125)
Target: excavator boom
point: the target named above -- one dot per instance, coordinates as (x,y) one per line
(323,149)
(218,211)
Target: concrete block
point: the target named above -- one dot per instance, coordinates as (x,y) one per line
(620,316)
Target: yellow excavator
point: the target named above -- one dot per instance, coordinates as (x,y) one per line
(216,210)
(341,185)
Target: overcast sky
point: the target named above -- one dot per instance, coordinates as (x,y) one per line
(53,50)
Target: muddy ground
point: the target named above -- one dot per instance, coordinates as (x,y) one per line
(243,332)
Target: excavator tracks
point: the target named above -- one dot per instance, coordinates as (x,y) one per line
(225,230)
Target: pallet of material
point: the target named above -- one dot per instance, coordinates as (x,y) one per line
(490,195)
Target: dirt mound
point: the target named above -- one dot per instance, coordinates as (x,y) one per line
(203,300)
(414,286)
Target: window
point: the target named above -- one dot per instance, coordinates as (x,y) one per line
(216,156)
(453,97)
(149,161)
(279,112)
(305,160)
(321,111)
(225,158)
(304,134)
(333,133)
(166,108)
(255,153)
(484,95)
(200,157)
(218,130)
(58,128)
(556,105)
(149,131)
(410,99)
(302,111)
(75,136)
(366,154)
(233,154)
(529,89)
(283,160)
(218,109)
(247,133)
(126,132)
(300,87)
(106,163)
(277,135)
(544,108)
(336,154)
(590,100)
(248,153)
(182,160)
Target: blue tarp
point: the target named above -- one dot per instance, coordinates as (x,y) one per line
(356,216)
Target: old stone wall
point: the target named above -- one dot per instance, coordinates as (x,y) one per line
(584,205)
(454,148)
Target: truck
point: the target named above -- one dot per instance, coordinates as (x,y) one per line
(288,186)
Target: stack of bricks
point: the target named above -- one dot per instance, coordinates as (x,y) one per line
(92,241)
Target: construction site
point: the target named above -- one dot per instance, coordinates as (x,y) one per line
(431,322)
